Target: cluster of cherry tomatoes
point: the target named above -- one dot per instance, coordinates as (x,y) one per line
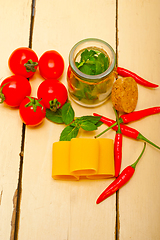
(15,90)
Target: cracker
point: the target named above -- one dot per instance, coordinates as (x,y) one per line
(124,94)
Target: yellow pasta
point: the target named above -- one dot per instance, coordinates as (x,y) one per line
(83,157)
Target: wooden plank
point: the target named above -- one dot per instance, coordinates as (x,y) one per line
(14,30)
(138,50)
(57,209)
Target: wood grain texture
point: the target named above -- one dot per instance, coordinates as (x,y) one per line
(66,210)
(138,50)
(53,209)
(14,30)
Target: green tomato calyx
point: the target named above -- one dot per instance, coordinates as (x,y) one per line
(34,103)
(54,105)
(30,66)
(2,97)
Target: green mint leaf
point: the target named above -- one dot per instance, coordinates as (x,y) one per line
(88,126)
(68,133)
(55,117)
(67,113)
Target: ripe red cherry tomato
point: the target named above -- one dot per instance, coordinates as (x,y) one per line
(32,111)
(14,89)
(53,94)
(51,65)
(23,61)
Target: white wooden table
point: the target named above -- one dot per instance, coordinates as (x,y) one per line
(33,205)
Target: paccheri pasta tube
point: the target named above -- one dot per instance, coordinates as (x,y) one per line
(82,157)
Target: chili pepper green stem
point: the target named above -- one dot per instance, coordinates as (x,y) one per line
(106,130)
(141,137)
(121,180)
(119,128)
(135,163)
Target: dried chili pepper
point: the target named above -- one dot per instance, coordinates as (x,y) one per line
(118,148)
(122,179)
(136,115)
(127,131)
(126,73)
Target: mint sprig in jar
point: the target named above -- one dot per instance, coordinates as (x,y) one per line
(91,72)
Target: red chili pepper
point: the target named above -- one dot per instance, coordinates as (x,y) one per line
(136,115)
(126,73)
(118,148)
(122,179)
(127,131)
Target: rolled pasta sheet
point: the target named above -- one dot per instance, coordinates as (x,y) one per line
(84,155)
(61,161)
(106,168)
(83,158)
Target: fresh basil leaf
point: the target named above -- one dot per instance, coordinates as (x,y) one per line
(77,64)
(92,119)
(88,126)
(101,57)
(106,63)
(68,133)
(99,68)
(85,68)
(85,55)
(85,91)
(74,124)
(93,62)
(80,94)
(90,95)
(67,113)
(98,124)
(54,116)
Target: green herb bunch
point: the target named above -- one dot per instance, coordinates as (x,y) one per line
(66,115)
(92,62)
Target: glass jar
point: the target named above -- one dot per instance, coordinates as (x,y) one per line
(90,90)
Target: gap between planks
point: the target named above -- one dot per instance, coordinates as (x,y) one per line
(117,226)
(17,194)
(18,191)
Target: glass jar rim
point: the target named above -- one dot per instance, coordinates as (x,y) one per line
(86,76)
